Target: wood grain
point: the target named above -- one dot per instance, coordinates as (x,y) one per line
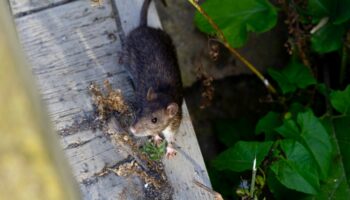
(71,45)
(21,7)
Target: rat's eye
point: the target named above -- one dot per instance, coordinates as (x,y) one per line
(154,120)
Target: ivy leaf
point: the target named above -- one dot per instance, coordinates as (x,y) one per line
(237,18)
(313,135)
(279,191)
(340,11)
(289,129)
(328,38)
(341,128)
(294,76)
(336,186)
(317,140)
(297,171)
(240,157)
(319,8)
(337,10)
(295,109)
(268,123)
(340,100)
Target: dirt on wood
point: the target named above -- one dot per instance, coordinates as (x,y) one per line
(115,115)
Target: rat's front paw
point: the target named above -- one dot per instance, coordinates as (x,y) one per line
(157,139)
(170,152)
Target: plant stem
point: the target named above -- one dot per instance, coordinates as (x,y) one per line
(252,185)
(223,39)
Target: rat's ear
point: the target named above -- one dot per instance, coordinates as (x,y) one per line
(151,95)
(172,109)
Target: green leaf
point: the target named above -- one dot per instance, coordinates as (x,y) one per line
(329,38)
(154,152)
(297,171)
(289,130)
(337,10)
(282,81)
(340,11)
(319,8)
(317,140)
(340,100)
(290,177)
(313,136)
(334,189)
(294,76)
(295,109)
(237,18)
(279,191)
(336,185)
(341,128)
(240,157)
(268,123)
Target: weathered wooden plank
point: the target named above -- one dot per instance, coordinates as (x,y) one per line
(129,13)
(188,164)
(27,6)
(70,46)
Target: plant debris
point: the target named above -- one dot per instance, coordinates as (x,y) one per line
(299,37)
(112,101)
(115,114)
(217,196)
(207,91)
(132,168)
(109,102)
(214,49)
(97,3)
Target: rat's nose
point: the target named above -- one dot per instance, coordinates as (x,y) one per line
(132,130)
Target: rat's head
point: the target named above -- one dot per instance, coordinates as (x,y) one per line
(155,114)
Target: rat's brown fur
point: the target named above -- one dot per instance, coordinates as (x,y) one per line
(151,60)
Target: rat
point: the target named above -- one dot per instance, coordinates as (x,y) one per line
(151,60)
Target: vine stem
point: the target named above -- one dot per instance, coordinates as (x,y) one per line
(252,185)
(223,39)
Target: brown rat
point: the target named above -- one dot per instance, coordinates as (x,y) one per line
(151,60)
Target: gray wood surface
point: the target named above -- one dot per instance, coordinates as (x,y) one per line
(20,7)
(69,46)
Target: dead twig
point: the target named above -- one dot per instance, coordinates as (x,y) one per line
(207,91)
(217,196)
